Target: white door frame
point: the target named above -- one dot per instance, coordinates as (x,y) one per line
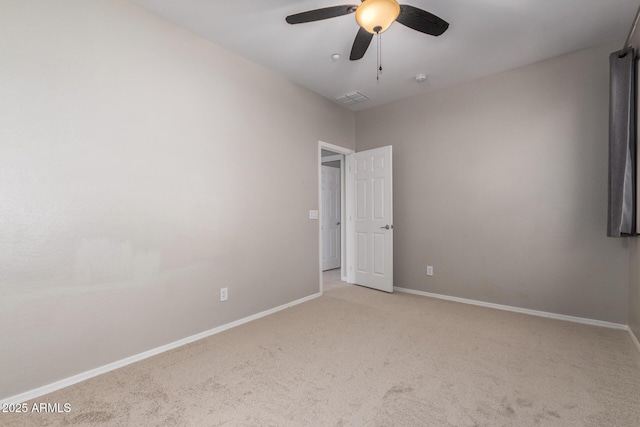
(328,159)
(343,232)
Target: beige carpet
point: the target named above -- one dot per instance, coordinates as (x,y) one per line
(358,357)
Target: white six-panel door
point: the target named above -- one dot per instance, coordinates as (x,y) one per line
(331,213)
(370,217)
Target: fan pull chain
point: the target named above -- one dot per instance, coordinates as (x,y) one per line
(379,68)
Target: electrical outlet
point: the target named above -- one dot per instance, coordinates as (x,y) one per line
(224,294)
(429,270)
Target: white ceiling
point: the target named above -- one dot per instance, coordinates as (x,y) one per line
(484,37)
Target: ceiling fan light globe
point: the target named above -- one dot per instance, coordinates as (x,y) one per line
(372,14)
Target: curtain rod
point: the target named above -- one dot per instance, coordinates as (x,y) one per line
(627,44)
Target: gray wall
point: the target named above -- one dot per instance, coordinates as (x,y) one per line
(501,185)
(118,221)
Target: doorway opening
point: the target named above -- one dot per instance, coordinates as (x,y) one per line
(332,214)
(364,219)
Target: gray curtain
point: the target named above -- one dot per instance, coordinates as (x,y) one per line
(622,145)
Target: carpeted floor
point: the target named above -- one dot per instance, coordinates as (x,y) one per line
(358,357)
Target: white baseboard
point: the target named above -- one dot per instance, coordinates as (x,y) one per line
(40,391)
(634,338)
(517,309)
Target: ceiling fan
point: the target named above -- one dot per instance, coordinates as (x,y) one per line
(374,17)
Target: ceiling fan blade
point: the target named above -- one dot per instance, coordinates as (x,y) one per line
(421,20)
(360,44)
(319,14)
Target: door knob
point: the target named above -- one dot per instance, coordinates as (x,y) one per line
(386,227)
(338,223)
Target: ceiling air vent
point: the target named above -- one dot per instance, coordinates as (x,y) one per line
(352,98)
